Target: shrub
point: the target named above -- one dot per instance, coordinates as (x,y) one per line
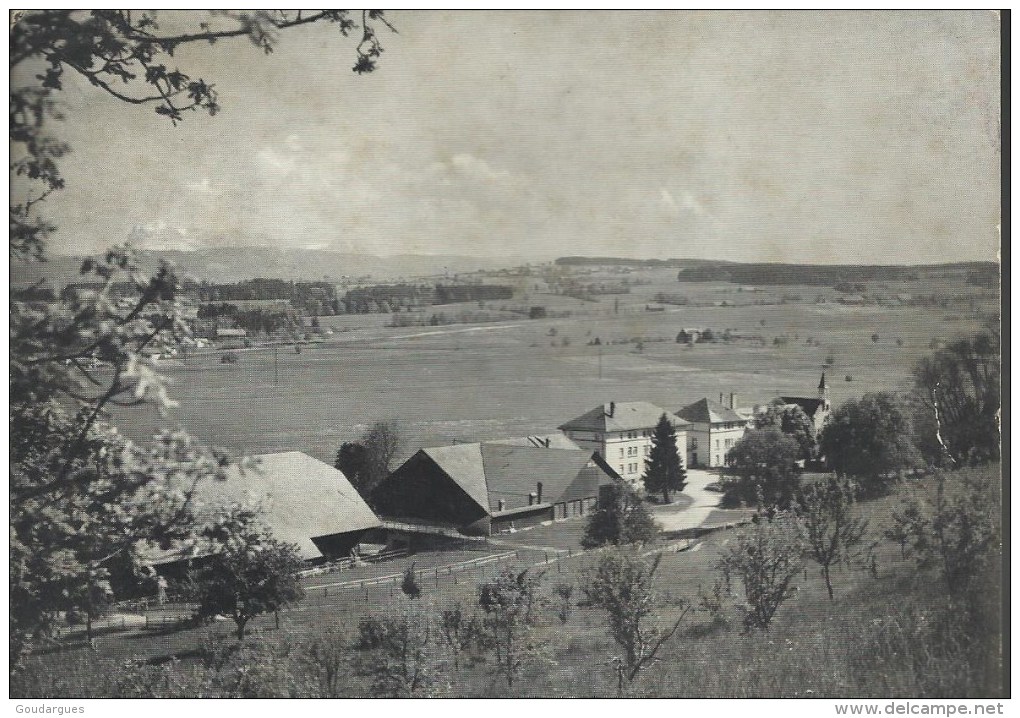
(765,557)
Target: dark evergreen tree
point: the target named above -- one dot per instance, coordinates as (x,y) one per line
(664,471)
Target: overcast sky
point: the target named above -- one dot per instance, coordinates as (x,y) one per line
(800,137)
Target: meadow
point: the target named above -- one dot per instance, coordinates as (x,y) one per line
(443,384)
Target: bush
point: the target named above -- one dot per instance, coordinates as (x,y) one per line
(765,557)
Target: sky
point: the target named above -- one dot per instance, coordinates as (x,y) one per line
(821,137)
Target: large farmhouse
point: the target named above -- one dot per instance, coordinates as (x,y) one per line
(305,502)
(714,429)
(621,433)
(485,488)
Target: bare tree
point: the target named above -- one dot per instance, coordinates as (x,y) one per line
(623,585)
(833,531)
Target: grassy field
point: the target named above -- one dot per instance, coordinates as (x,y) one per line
(475,382)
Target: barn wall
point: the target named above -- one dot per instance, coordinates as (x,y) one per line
(523,519)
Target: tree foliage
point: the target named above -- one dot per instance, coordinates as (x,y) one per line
(793,422)
(664,470)
(81,496)
(832,529)
(367,462)
(622,584)
(251,575)
(951,524)
(765,557)
(404,660)
(762,467)
(960,388)
(870,439)
(621,518)
(510,607)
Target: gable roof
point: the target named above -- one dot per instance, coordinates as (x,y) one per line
(706,411)
(622,416)
(498,470)
(513,472)
(302,498)
(463,464)
(810,404)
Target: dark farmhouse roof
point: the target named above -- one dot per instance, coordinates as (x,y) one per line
(810,404)
(492,472)
(622,416)
(302,499)
(542,441)
(706,411)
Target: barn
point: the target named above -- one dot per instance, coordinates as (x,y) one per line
(305,502)
(490,487)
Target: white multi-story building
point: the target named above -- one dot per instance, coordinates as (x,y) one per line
(622,434)
(714,430)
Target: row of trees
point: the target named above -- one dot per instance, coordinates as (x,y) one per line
(950,419)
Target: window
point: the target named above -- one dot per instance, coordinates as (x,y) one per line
(621,452)
(621,468)
(729,443)
(717,443)
(694,443)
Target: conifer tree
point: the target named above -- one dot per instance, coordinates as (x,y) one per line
(664,471)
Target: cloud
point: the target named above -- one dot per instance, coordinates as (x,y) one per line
(476,168)
(668,202)
(203,187)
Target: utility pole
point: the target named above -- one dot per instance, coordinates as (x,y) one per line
(276,364)
(600,361)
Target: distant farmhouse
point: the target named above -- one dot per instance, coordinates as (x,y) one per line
(714,429)
(490,487)
(621,433)
(305,502)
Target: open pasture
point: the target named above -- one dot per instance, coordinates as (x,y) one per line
(474,382)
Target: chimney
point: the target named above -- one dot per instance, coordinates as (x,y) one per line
(548,442)
(539,493)
(612,409)
(531,499)
(502,505)
(720,397)
(733,400)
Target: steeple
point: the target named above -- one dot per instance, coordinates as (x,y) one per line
(823,388)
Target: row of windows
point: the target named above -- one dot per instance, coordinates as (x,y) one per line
(631,469)
(635,451)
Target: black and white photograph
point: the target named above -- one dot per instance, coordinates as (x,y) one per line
(506,354)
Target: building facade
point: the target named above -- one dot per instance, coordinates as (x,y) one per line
(621,433)
(713,430)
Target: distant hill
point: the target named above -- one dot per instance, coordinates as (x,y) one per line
(235,264)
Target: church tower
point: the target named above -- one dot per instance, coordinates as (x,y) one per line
(823,391)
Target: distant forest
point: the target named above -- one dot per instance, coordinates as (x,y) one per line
(985,274)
